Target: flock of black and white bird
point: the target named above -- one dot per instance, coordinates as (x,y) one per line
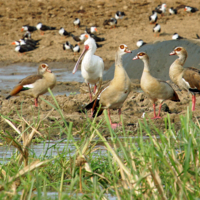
(28,44)
(161,9)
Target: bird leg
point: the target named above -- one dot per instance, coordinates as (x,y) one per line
(90,100)
(154,110)
(193,102)
(158,116)
(114,125)
(95,87)
(36,102)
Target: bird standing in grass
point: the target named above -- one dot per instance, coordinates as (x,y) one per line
(113,96)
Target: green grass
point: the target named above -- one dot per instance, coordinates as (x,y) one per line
(163,165)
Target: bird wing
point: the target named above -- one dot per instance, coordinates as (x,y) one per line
(30,79)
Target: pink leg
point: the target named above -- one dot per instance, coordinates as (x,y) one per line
(158,116)
(154,110)
(113,125)
(95,87)
(193,102)
(36,102)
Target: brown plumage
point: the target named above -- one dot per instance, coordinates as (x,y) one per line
(155,89)
(187,79)
(35,85)
(113,96)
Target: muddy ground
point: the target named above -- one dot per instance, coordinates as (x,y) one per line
(60,13)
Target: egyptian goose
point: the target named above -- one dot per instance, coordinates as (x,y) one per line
(92,66)
(113,96)
(172,11)
(35,85)
(28,28)
(156,30)
(185,78)
(43,27)
(155,89)
(153,18)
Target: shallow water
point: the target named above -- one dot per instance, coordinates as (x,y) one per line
(12,74)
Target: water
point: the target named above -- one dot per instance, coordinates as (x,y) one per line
(12,74)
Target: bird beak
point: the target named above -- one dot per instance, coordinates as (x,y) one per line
(128,51)
(22,29)
(96,29)
(79,60)
(172,53)
(135,58)
(48,70)
(13,43)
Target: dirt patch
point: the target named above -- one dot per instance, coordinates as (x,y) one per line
(72,107)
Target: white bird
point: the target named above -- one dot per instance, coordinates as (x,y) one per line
(92,66)
(156,30)
(176,36)
(77,22)
(140,43)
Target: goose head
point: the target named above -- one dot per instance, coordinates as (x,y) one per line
(142,56)
(43,68)
(123,49)
(179,51)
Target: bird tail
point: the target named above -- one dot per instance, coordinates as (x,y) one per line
(95,106)
(194,90)
(175,97)
(197,36)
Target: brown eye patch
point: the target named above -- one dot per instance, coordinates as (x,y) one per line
(122,46)
(43,66)
(178,49)
(141,54)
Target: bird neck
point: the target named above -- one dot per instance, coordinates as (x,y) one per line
(146,65)
(182,59)
(118,60)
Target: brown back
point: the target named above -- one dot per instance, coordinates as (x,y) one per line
(192,76)
(30,79)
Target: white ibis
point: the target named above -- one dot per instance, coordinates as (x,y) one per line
(92,66)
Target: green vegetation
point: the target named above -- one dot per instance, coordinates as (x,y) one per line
(161,165)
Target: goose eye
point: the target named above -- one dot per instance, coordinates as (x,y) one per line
(141,54)
(44,66)
(178,49)
(121,46)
